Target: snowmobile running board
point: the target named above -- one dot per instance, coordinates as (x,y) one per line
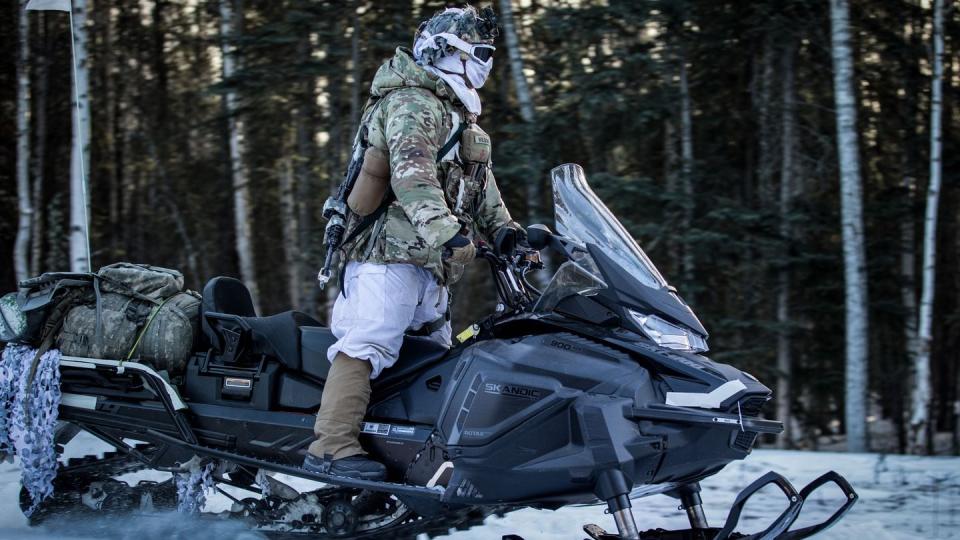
(777,530)
(435,494)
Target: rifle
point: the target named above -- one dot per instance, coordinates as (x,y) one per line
(335,211)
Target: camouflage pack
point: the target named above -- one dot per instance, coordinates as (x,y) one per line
(151,281)
(166,341)
(111,335)
(136,312)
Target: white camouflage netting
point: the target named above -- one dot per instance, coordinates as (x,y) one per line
(28,417)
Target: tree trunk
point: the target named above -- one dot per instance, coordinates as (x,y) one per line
(764,96)
(855,277)
(288,214)
(303,125)
(515,56)
(40,151)
(787,148)
(670,160)
(80,155)
(686,173)
(920,425)
(908,282)
(21,252)
(242,216)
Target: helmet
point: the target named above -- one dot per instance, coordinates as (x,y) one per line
(468,27)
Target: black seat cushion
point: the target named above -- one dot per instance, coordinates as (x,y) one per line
(416,353)
(279,336)
(224,295)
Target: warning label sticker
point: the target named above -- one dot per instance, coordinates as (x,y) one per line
(376,429)
(403,430)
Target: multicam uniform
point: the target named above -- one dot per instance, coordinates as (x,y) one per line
(396,279)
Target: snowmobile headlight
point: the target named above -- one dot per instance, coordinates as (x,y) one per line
(668,335)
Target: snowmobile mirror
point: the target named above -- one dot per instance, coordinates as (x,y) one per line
(539,236)
(505,244)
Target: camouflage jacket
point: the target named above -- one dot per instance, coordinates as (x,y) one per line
(410,117)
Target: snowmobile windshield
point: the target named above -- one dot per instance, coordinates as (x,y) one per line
(605,260)
(582,216)
(578,276)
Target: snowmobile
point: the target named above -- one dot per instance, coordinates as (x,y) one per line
(591,389)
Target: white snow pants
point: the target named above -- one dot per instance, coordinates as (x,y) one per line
(382,301)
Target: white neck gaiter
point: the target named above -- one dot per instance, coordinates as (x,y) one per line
(468,96)
(463,76)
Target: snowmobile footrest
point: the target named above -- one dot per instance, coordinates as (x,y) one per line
(342,481)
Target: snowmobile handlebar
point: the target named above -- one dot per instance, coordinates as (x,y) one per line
(509,270)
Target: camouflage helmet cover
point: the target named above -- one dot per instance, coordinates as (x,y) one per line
(466,23)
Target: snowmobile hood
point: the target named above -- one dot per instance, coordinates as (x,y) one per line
(402,71)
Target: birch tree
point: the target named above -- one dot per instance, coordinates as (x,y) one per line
(242,216)
(787,149)
(851,202)
(22,244)
(920,421)
(80,154)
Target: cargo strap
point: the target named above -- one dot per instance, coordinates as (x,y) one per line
(143,331)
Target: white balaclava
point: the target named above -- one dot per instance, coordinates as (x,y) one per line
(441,50)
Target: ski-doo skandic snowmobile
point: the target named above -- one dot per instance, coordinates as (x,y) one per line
(593,388)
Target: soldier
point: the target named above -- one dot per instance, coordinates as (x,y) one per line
(420,120)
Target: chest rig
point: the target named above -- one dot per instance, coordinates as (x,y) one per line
(464,170)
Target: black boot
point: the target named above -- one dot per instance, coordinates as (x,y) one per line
(358,466)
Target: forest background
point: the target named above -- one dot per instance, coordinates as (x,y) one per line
(219,127)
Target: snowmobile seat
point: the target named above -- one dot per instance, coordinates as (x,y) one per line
(416,353)
(279,336)
(227,295)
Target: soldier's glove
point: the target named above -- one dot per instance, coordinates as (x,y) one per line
(521,235)
(459,249)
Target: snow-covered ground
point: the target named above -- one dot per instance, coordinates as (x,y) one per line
(901,497)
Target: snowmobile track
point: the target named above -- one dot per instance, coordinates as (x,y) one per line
(76,473)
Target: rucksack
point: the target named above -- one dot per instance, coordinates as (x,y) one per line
(137,312)
(125,311)
(31,314)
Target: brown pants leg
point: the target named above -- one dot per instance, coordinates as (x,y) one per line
(342,407)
